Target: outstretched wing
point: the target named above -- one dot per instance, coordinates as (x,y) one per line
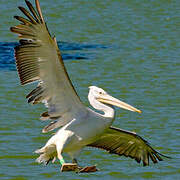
(129,144)
(38,59)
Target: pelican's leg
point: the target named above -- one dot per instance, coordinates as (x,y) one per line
(60,145)
(80,169)
(86,169)
(74,161)
(61,159)
(73,155)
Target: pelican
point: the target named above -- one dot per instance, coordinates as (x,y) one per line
(38,58)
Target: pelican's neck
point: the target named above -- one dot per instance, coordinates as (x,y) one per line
(109,111)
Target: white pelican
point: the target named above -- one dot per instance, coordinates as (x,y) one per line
(39,59)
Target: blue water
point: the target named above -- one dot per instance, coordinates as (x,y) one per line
(130,49)
(7,61)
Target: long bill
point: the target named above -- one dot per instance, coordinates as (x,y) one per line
(107,99)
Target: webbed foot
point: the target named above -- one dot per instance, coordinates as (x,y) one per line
(87,169)
(69,167)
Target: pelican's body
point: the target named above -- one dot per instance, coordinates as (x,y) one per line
(78,133)
(38,59)
(85,128)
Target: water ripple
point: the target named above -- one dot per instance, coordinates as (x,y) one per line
(70,51)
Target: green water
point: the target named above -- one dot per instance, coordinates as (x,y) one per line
(140,66)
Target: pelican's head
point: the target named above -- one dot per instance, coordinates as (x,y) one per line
(102,96)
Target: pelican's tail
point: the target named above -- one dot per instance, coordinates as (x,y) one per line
(47,154)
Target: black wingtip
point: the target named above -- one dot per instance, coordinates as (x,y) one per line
(28,3)
(20,7)
(16,17)
(11,29)
(165,156)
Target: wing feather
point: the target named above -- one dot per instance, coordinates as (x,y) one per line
(128,144)
(23,20)
(39,59)
(27,14)
(33,11)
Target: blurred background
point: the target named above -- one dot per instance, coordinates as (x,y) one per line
(130,48)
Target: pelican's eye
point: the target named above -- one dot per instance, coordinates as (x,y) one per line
(100,92)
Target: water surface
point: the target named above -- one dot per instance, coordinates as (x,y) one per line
(129,48)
